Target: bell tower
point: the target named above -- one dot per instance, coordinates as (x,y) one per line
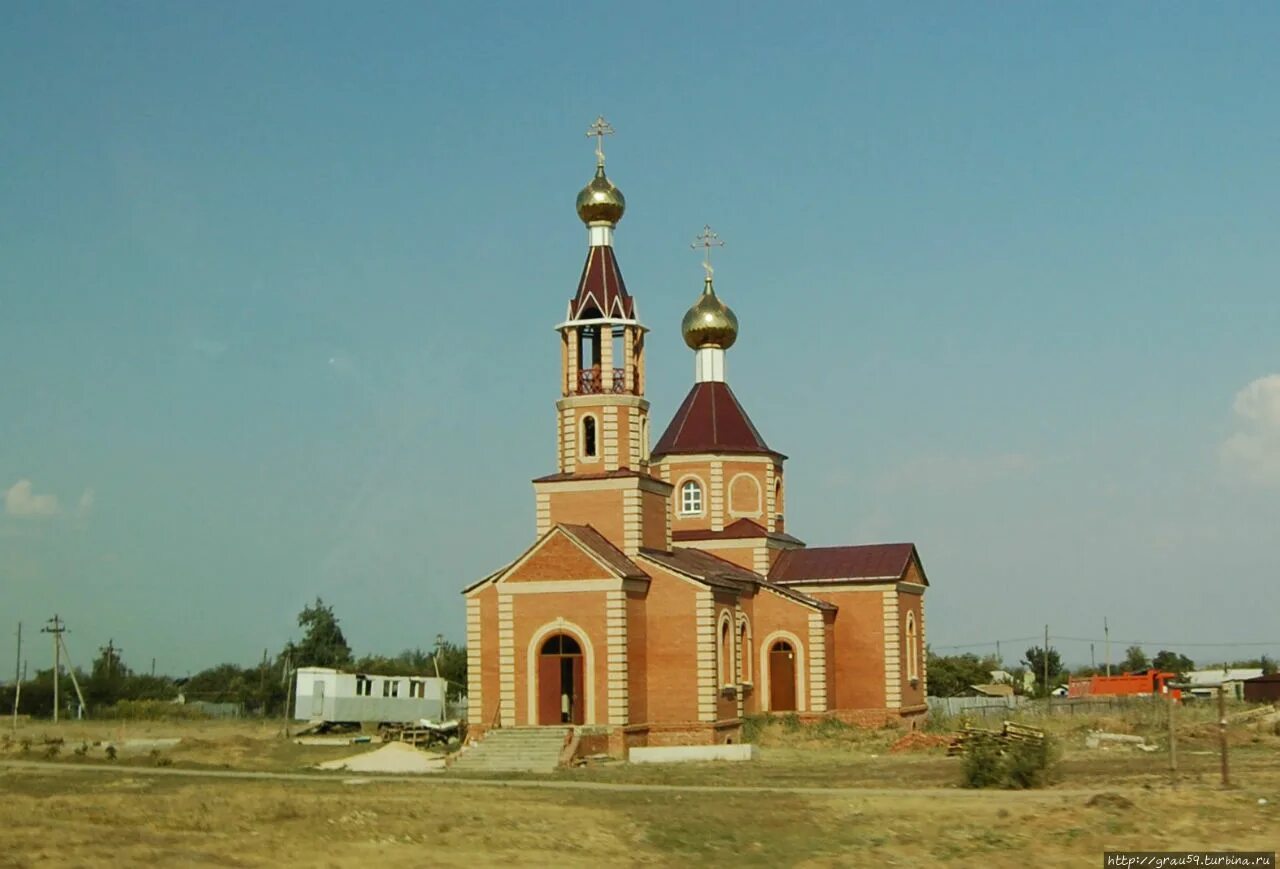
(602,417)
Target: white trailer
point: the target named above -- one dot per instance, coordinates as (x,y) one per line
(328,695)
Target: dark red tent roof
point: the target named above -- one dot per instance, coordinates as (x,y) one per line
(711,421)
(601,290)
(877,561)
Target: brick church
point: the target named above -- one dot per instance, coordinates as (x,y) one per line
(663,598)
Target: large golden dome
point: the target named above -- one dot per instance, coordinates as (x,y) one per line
(710,322)
(600,200)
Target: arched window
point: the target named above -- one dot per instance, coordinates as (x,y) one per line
(725,650)
(691,499)
(913,651)
(589,437)
(744,652)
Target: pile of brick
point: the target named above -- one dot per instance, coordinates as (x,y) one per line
(917,741)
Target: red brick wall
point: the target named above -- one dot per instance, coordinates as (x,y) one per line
(490,686)
(637,658)
(583,609)
(743,556)
(558,558)
(602,510)
(774,612)
(653,512)
(671,648)
(859,649)
(910,603)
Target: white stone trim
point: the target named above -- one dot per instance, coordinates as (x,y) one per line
(506,661)
(475,662)
(632,521)
(717,496)
(564,626)
(610,441)
(817,663)
(542,511)
(892,652)
(770,505)
(801,672)
(563,586)
(708,691)
(616,653)
(704,458)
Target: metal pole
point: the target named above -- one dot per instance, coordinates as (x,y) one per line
(1222,733)
(1106,631)
(1046,663)
(1173,742)
(17,662)
(57,666)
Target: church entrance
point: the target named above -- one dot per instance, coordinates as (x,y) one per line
(782,677)
(561,698)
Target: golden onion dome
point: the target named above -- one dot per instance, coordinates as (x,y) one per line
(710,322)
(600,200)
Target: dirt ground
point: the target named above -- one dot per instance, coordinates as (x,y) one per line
(878,807)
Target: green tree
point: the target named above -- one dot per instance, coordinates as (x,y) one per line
(1172,662)
(1035,661)
(109,678)
(1135,660)
(323,644)
(950,675)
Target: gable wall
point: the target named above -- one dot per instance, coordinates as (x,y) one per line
(586,610)
(558,558)
(671,651)
(858,657)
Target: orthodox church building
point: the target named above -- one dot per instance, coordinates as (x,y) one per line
(663,597)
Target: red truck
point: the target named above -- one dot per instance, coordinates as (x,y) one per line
(1154,682)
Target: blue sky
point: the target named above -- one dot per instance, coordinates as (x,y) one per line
(278,286)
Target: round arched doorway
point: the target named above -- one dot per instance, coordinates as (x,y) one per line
(560,681)
(782,677)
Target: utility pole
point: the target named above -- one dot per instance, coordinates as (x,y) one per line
(55,626)
(153,666)
(1093,664)
(17,680)
(111,652)
(1047,693)
(1106,632)
(999,657)
(1222,733)
(1173,741)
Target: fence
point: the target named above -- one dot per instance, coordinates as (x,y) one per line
(999,707)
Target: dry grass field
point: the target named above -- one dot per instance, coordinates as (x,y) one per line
(856,804)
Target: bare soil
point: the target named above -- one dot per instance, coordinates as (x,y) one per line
(899,809)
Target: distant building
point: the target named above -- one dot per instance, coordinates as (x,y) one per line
(1262,689)
(1205,683)
(325,694)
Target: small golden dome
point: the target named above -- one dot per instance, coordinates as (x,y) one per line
(710,322)
(600,200)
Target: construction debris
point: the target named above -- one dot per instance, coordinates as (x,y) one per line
(1008,734)
(397,757)
(917,741)
(424,733)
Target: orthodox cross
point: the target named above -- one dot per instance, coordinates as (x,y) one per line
(600,129)
(706,240)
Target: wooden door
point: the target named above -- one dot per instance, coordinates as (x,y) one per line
(578,707)
(548,690)
(782,678)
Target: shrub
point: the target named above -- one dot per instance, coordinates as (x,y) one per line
(791,722)
(1019,765)
(152,710)
(753,726)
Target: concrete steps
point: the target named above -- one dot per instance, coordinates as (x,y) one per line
(515,749)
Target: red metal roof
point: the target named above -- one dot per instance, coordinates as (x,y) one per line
(601,290)
(710,420)
(877,561)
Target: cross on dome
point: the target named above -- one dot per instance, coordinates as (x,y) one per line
(600,129)
(706,240)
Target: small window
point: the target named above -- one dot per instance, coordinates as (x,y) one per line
(390,688)
(726,652)
(415,688)
(589,437)
(690,499)
(364,686)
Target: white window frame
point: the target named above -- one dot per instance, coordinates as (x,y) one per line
(685,491)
